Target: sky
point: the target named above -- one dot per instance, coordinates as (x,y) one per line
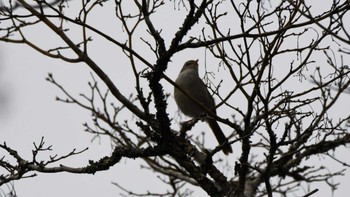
(31,112)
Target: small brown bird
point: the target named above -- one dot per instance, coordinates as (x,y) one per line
(189,81)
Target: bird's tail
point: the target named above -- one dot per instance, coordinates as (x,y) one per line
(220,136)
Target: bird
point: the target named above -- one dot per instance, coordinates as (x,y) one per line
(188,81)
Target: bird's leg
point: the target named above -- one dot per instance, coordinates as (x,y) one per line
(187,125)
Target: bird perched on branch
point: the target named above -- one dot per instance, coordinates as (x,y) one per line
(190,83)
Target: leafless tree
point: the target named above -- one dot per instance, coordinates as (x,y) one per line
(286,62)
